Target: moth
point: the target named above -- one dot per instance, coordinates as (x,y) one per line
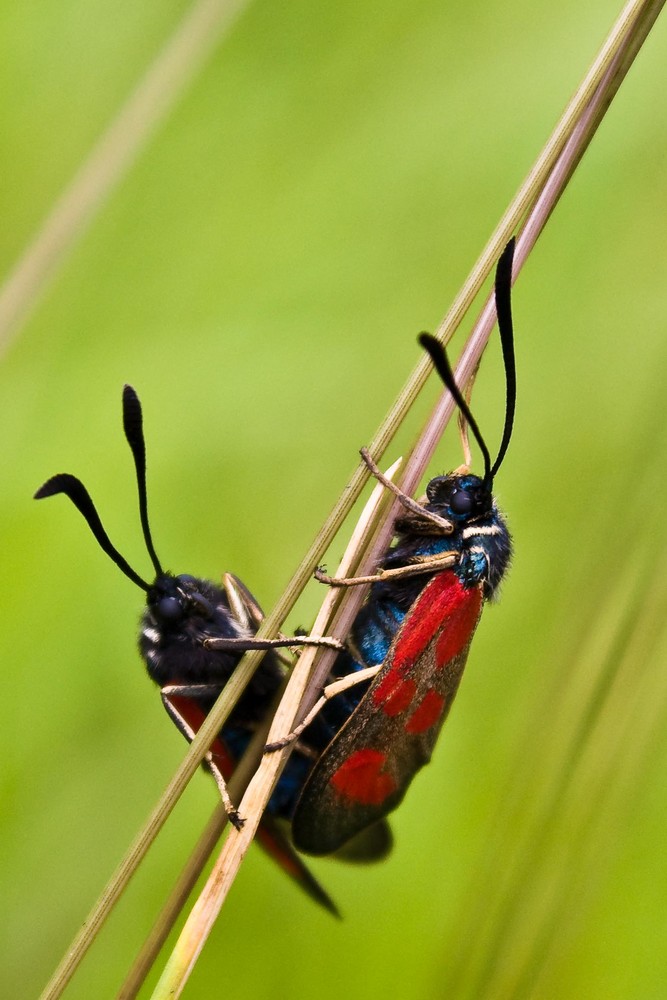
(415,628)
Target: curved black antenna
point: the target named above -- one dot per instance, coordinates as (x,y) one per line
(80,497)
(443,368)
(133,427)
(503,294)
(503,289)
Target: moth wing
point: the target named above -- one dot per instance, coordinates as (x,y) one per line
(365,771)
(242,602)
(372,844)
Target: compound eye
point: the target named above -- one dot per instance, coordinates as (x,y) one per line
(461,502)
(169,609)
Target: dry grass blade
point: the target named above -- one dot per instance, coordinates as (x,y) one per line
(192,869)
(252,805)
(550,174)
(174,904)
(554,168)
(237,786)
(621,40)
(541,192)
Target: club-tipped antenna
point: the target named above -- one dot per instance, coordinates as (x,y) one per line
(133,427)
(503,286)
(78,494)
(80,497)
(503,289)
(444,370)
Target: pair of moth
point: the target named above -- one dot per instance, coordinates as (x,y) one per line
(353,762)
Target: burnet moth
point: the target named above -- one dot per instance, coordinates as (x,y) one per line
(416,627)
(357,755)
(192,635)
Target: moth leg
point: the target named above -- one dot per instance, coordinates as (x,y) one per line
(427,564)
(194,691)
(330,691)
(243,644)
(190,691)
(444,526)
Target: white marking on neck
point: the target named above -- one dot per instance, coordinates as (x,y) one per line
(483,529)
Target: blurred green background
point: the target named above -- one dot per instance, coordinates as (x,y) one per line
(313,201)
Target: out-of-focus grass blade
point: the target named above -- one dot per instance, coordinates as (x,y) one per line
(554,836)
(112,156)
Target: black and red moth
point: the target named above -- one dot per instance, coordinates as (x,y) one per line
(355,760)
(192,635)
(416,627)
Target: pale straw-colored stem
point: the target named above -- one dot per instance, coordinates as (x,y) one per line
(544,203)
(625,39)
(537,197)
(208,905)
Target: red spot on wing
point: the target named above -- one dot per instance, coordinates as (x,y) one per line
(426,714)
(445,606)
(361,778)
(458,628)
(393,694)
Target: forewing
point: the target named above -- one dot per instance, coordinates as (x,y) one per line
(243,605)
(365,771)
